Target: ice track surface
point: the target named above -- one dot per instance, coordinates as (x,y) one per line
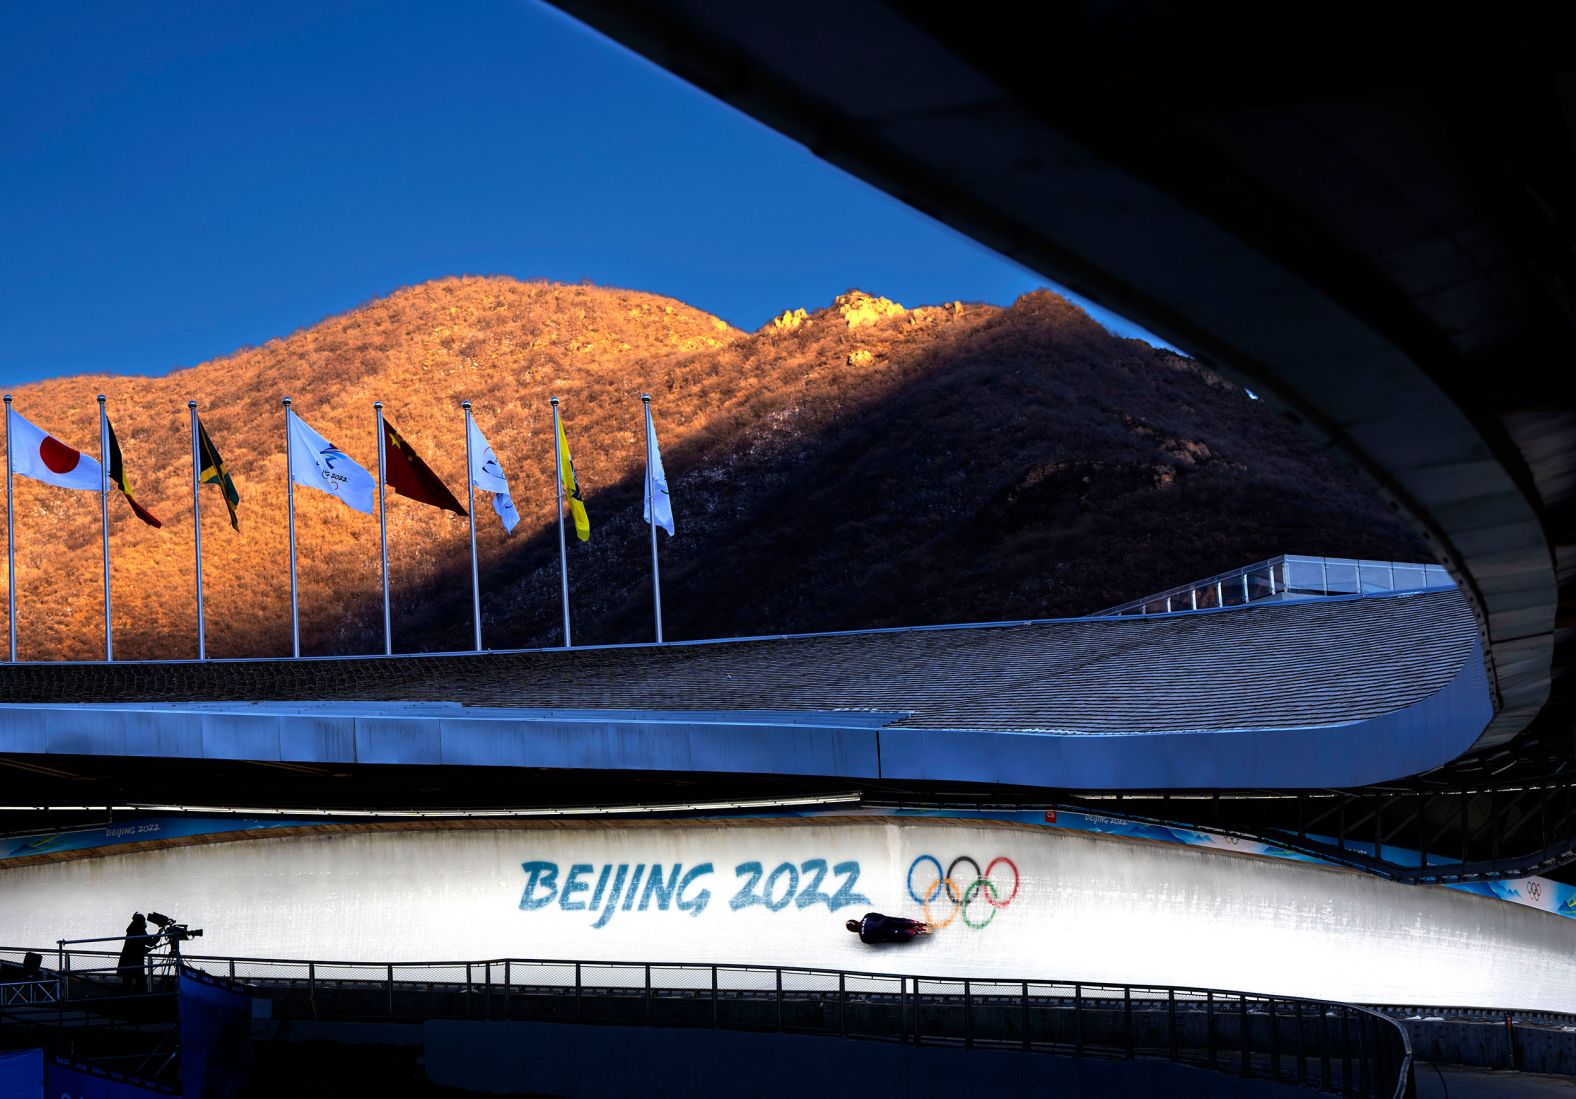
(1009,901)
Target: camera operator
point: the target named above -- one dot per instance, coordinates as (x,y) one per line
(133,963)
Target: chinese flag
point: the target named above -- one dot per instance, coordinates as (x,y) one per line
(408,475)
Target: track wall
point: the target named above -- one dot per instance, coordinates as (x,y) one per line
(1036,903)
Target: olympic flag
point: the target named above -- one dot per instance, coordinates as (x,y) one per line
(487,474)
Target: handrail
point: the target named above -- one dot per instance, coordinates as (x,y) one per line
(1347,1048)
(1235,589)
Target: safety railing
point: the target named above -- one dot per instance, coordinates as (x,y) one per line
(1317,1044)
(29,992)
(1288,577)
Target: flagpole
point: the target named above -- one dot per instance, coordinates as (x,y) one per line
(383,534)
(563,554)
(202,639)
(651,517)
(295,613)
(109,634)
(470,511)
(10,540)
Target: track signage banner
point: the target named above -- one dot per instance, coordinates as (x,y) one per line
(958,891)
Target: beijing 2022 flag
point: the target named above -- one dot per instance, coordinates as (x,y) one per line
(318,463)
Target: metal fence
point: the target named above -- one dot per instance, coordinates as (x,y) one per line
(1288,577)
(1318,1044)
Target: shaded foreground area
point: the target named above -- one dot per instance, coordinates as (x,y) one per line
(1327,1046)
(1436,1081)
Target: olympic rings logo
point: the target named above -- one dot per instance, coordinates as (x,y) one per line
(975,903)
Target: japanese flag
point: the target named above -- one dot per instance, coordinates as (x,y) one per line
(44,457)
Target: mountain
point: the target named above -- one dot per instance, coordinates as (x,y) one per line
(860,465)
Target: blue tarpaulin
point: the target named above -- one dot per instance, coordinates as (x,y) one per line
(71,1081)
(22,1074)
(216,1035)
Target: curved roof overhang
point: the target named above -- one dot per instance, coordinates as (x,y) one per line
(1376,230)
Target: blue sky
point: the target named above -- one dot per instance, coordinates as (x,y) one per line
(180,179)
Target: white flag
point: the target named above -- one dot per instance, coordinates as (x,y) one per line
(487,475)
(657,482)
(318,463)
(35,453)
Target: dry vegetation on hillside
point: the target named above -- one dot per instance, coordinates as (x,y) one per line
(863,465)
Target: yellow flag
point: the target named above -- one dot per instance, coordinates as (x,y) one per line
(577,505)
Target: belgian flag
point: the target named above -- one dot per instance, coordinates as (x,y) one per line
(117,476)
(214,473)
(577,502)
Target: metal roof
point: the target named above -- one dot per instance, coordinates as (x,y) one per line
(1318,662)
(1319,693)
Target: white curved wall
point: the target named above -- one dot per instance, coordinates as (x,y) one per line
(1087,907)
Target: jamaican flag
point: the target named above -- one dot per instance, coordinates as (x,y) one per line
(117,477)
(214,473)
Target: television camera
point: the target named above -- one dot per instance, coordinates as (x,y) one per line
(171,932)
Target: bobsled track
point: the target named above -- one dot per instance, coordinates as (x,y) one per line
(1009,901)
